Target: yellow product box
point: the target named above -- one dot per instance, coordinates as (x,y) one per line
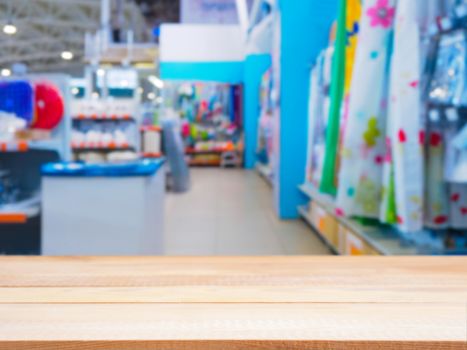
(330,228)
(341,238)
(357,246)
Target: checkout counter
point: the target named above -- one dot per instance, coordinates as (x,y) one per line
(103,209)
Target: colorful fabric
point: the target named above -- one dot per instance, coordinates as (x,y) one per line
(328,179)
(353,14)
(354,10)
(17,97)
(404,126)
(437,189)
(360,177)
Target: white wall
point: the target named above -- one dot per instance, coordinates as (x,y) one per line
(201,43)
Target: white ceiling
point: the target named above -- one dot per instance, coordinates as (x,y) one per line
(48,27)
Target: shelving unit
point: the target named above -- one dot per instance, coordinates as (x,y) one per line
(103,117)
(265,172)
(24,146)
(20,212)
(373,239)
(303,210)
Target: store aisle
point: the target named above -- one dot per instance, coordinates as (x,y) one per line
(230,212)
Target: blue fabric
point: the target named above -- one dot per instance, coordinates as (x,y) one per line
(17,97)
(146,167)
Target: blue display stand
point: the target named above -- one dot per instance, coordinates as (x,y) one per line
(255,67)
(305,27)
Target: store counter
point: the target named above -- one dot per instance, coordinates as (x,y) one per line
(103,209)
(233,303)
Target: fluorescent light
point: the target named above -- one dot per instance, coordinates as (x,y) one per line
(10,29)
(100,72)
(75,91)
(6,72)
(67,55)
(151,96)
(157,82)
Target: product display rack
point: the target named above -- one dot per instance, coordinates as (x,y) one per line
(265,171)
(105,116)
(398,189)
(375,240)
(21,159)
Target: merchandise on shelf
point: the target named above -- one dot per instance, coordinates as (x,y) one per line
(402,144)
(33,129)
(266,124)
(211,122)
(105,124)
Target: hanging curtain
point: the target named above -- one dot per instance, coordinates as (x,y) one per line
(328,182)
(404,162)
(353,14)
(360,176)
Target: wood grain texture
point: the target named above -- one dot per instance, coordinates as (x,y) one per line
(233,303)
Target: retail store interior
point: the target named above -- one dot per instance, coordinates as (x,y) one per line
(233,127)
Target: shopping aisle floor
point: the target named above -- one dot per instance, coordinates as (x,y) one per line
(230,212)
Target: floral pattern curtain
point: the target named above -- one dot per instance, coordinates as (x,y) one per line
(405,138)
(363,153)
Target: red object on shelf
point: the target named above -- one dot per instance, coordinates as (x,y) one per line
(99,145)
(151,155)
(49,106)
(150,128)
(17,146)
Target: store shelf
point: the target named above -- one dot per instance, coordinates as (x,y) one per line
(103,117)
(24,146)
(20,212)
(194,162)
(152,155)
(90,146)
(304,214)
(150,128)
(265,172)
(207,151)
(383,239)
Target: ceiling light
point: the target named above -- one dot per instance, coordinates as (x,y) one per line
(67,55)
(95,95)
(6,72)
(75,91)
(151,96)
(158,83)
(124,83)
(10,28)
(100,72)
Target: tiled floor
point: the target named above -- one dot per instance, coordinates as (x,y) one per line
(230,212)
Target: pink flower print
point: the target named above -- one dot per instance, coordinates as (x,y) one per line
(339,212)
(381,14)
(379,160)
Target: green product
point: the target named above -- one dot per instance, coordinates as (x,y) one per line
(328,183)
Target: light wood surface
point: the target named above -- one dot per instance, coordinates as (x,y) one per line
(233,303)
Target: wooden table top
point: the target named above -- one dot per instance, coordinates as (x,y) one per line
(233,303)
